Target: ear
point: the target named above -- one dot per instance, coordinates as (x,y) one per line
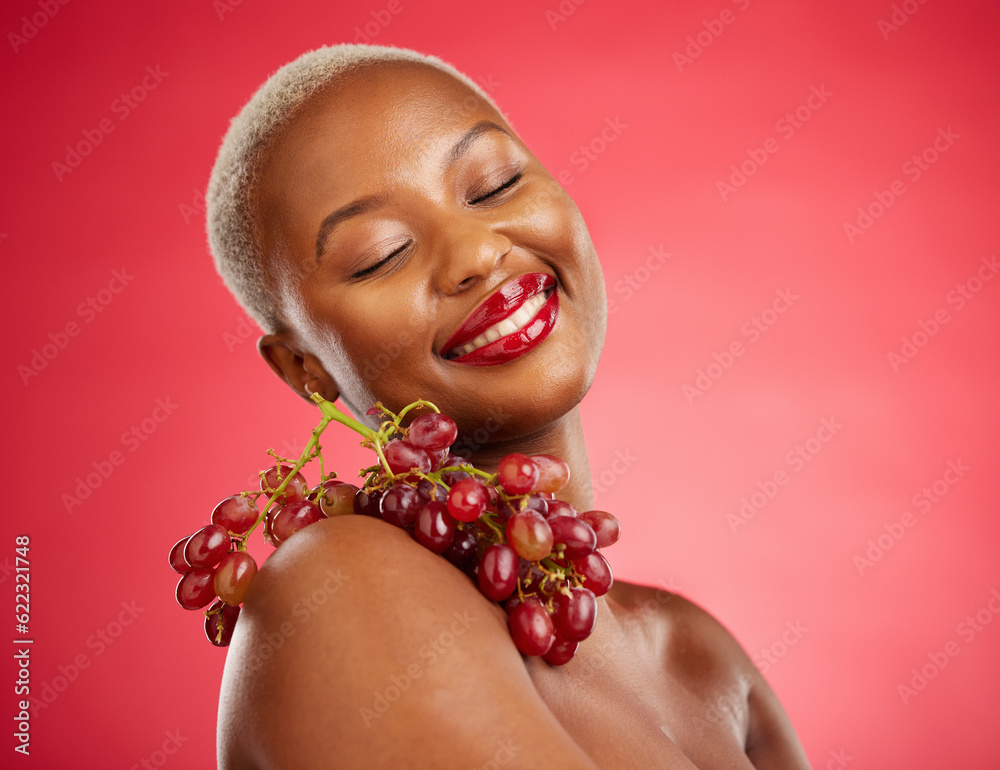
(302,371)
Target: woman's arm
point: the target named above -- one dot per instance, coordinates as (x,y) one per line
(359,649)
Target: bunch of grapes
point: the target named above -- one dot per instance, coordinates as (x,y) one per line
(532,553)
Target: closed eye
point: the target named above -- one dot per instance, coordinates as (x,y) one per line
(509,183)
(381,263)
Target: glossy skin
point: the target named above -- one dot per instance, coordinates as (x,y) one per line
(358,648)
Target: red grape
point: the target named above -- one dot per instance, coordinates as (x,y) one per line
(233,577)
(207,546)
(498,572)
(560,508)
(530,535)
(605,526)
(561,652)
(220,622)
(462,551)
(576,614)
(400,505)
(177,561)
(404,457)
(553,473)
(293,517)
(517,474)
(467,500)
(337,498)
(537,503)
(296,488)
(433,431)
(368,503)
(196,588)
(453,477)
(530,576)
(430,491)
(435,527)
(531,628)
(437,457)
(596,572)
(577,536)
(237,514)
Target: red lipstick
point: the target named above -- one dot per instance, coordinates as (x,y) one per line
(510,322)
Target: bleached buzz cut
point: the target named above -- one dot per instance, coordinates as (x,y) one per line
(234,237)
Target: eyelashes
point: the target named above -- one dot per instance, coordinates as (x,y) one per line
(381,263)
(506,185)
(372,269)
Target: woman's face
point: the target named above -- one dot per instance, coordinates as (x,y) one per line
(404,221)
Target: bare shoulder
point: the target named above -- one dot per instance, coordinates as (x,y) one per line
(697,649)
(357,647)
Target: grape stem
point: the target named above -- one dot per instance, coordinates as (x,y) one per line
(311,450)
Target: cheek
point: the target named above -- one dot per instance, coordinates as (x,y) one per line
(383,346)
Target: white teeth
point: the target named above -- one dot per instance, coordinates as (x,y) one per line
(509,325)
(505,327)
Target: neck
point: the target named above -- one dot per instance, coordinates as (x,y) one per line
(562,439)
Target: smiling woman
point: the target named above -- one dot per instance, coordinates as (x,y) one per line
(366,192)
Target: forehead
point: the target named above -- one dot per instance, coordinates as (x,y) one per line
(371,127)
(375,115)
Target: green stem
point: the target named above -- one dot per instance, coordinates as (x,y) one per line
(415,404)
(330,414)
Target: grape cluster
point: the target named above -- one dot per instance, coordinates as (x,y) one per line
(532,553)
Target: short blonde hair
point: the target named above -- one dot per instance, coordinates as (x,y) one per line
(234,237)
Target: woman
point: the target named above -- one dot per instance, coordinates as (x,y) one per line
(368,201)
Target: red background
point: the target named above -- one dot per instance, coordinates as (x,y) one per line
(173,333)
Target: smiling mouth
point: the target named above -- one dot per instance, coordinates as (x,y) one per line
(513,323)
(507,324)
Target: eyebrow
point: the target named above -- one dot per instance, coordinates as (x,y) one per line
(372,202)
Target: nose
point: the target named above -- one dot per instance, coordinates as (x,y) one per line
(469,253)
